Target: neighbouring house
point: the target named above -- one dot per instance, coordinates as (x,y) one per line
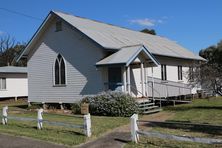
(70,57)
(13,82)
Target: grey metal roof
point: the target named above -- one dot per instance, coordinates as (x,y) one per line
(13,69)
(113,37)
(126,55)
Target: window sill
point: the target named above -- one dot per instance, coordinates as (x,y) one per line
(59,85)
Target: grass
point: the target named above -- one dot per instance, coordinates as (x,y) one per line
(201,111)
(57,134)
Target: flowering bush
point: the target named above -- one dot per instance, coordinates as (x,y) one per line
(112,103)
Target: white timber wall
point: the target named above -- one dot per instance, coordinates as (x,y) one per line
(172,70)
(80,55)
(16,86)
(172,73)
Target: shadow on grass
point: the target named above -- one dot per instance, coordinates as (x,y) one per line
(21,106)
(186,108)
(204,128)
(24,126)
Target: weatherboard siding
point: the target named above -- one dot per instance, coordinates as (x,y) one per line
(80,55)
(16,85)
(172,76)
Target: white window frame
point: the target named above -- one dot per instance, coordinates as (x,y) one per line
(180,72)
(163,72)
(1,84)
(59,85)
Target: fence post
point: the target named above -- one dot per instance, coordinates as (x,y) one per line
(134,128)
(4,115)
(87,125)
(39,118)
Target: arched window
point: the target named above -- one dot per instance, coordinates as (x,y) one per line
(60,71)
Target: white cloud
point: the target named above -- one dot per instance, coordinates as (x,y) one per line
(143,22)
(148,22)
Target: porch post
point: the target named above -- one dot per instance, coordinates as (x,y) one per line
(128,79)
(152,84)
(145,80)
(142,78)
(124,79)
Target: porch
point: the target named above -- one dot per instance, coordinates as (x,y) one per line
(126,70)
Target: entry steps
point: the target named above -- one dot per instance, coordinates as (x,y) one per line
(146,106)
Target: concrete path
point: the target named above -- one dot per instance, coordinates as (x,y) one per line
(7,141)
(121,135)
(111,140)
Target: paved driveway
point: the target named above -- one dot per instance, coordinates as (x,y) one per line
(7,141)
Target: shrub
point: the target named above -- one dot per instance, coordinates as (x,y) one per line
(76,108)
(112,103)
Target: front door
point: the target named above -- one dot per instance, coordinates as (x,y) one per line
(115,78)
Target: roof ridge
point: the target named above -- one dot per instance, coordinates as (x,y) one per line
(97,21)
(131,45)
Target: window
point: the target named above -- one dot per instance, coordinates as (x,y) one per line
(59,71)
(180,73)
(2,83)
(58,26)
(163,72)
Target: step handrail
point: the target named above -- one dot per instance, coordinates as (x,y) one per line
(155,91)
(137,91)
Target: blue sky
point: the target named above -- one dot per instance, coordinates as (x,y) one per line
(195,24)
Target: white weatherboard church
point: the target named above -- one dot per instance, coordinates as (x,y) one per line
(71,57)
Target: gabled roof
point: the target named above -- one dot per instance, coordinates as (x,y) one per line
(126,55)
(13,69)
(113,37)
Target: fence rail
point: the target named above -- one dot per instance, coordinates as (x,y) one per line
(180,138)
(135,133)
(86,126)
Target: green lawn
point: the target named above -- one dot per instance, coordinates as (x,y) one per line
(61,135)
(201,111)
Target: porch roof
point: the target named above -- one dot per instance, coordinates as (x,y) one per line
(13,69)
(126,55)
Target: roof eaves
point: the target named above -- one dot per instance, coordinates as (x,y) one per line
(34,36)
(186,58)
(151,56)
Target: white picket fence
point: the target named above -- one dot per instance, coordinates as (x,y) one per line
(86,121)
(135,133)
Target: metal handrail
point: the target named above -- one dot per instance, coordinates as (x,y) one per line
(169,84)
(154,88)
(136,89)
(156,92)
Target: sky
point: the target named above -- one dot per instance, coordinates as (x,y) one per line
(194,24)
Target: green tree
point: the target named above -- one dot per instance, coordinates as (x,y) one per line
(209,73)
(149,31)
(9,50)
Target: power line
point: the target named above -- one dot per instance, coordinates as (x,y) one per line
(21,14)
